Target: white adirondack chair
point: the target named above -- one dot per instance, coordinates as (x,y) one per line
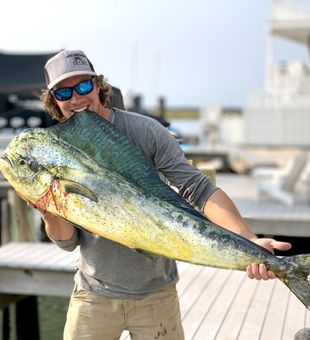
(280,184)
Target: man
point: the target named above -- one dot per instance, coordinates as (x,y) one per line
(117,288)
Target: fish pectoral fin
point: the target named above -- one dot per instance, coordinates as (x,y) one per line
(72,187)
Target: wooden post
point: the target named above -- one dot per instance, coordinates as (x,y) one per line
(22,228)
(6,324)
(27,327)
(4,238)
(5,230)
(21,218)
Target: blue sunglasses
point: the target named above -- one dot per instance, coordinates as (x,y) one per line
(82,88)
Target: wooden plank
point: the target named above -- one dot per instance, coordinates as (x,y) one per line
(256,314)
(36,268)
(188,278)
(292,323)
(215,318)
(244,309)
(12,251)
(199,300)
(275,318)
(190,296)
(182,266)
(30,282)
(236,314)
(48,256)
(28,255)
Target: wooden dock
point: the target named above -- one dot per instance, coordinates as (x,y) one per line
(226,305)
(265,217)
(31,268)
(215,304)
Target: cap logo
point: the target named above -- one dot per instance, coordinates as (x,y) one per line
(77,60)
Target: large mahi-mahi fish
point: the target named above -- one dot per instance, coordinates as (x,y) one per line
(87,172)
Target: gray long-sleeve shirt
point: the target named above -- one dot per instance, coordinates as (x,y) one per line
(110,269)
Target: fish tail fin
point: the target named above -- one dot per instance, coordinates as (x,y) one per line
(298,281)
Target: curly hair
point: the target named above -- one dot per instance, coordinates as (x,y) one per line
(50,104)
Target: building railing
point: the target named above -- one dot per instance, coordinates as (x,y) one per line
(277,100)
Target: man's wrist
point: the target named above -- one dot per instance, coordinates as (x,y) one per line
(253,238)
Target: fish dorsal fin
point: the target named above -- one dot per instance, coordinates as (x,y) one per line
(110,148)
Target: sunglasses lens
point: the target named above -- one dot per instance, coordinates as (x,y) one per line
(84,87)
(63,93)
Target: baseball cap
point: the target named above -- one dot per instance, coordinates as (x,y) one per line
(66,64)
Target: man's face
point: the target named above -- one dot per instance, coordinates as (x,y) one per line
(79,102)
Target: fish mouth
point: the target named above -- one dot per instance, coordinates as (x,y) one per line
(7,159)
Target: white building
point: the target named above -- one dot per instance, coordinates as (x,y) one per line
(281,114)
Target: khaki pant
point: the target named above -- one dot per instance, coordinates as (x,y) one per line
(96,317)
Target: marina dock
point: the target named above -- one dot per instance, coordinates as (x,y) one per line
(215,304)
(265,217)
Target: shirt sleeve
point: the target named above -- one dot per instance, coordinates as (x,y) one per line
(169,159)
(70,244)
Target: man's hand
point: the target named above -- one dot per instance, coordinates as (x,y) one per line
(259,271)
(56,227)
(44,214)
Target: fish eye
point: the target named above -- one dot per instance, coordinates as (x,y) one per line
(22,162)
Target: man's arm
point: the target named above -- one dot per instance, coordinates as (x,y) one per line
(57,228)
(220,209)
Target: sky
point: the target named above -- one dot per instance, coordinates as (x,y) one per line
(192,52)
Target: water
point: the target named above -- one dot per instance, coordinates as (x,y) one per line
(52,317)
(187,127)
(52,312)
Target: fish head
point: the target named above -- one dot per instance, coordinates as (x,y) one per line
(22,166)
